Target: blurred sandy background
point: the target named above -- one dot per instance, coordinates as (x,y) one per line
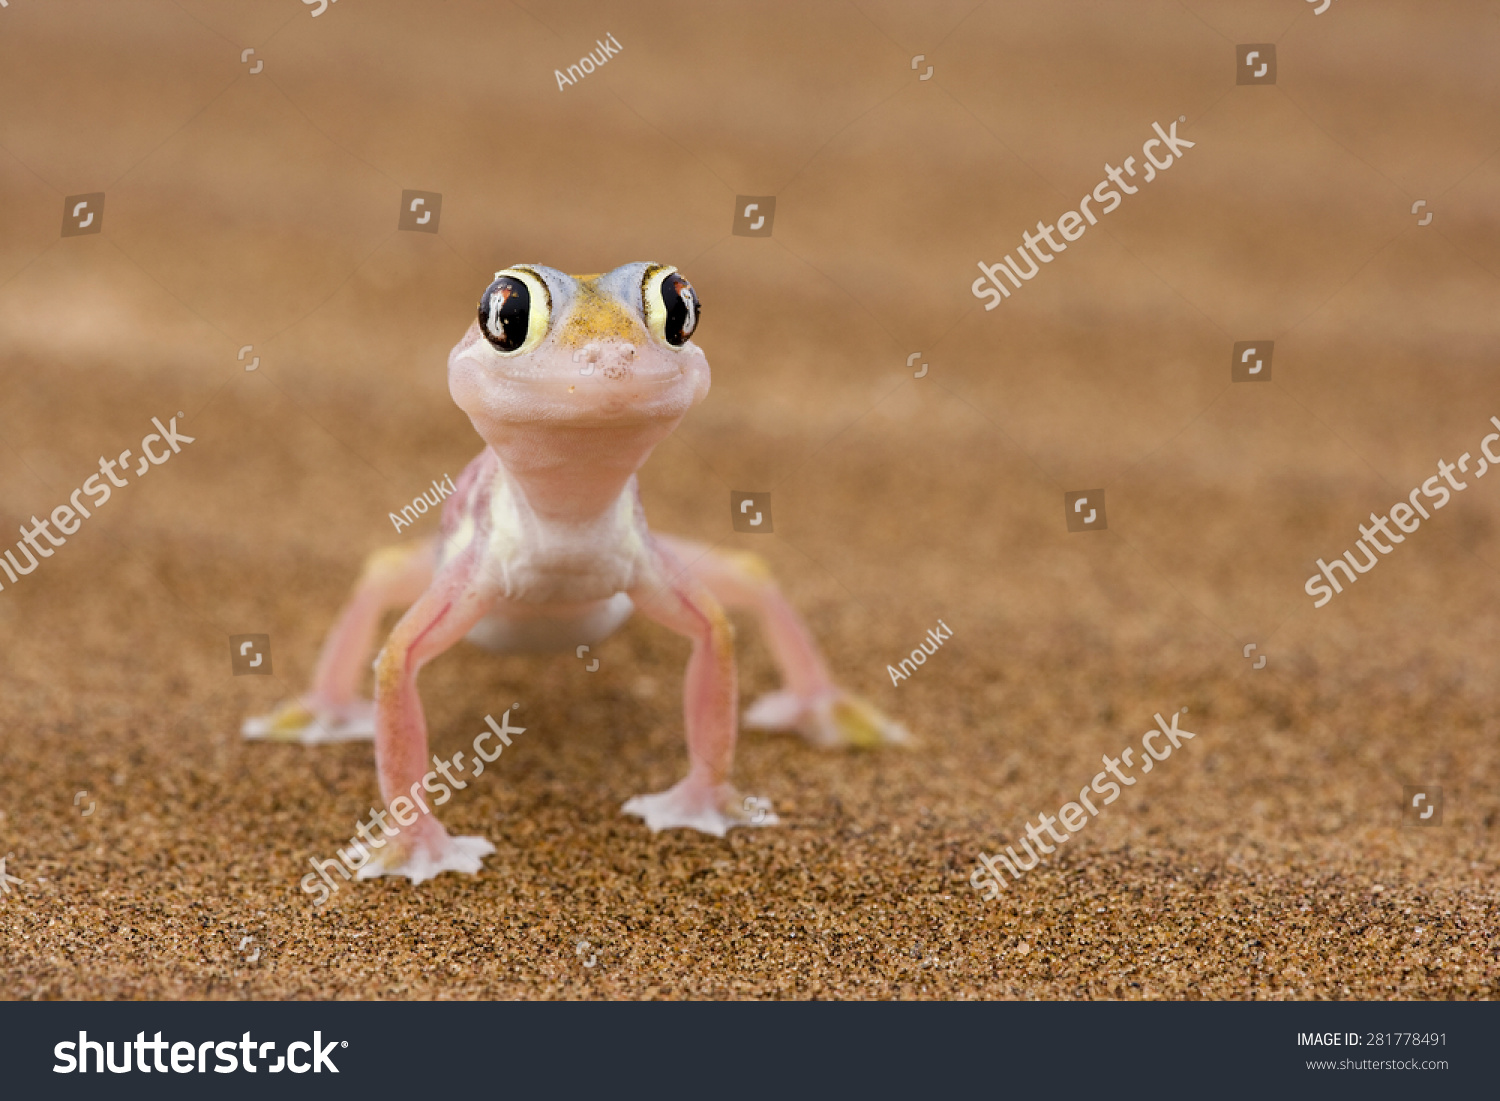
(1265,859)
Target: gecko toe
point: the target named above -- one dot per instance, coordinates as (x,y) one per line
(297,721)
(697,806)
(422,859)
(834,718)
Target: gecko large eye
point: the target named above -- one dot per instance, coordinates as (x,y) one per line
(514,311)
(672,306)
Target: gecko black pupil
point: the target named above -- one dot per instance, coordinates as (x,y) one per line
(681,304)
(505,313)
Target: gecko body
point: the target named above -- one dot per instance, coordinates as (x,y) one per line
(571,381)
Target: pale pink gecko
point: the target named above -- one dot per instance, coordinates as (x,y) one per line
(571,381)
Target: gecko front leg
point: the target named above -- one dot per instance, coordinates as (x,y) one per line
(460,593)
(705,799)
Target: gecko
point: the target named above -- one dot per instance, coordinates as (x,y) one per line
(570,381)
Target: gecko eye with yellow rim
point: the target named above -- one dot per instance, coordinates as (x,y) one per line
(514,311)
(672,306)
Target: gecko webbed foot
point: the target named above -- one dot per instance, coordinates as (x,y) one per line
(425,856)
(297,721)
(692,804)
(834,718)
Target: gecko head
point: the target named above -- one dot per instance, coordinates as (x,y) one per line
(580,350)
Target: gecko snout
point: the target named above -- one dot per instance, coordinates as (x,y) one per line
(614,359)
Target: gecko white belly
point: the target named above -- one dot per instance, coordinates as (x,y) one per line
(540,632)
(558,583)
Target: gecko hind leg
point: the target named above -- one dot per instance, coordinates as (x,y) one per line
(809,702)
(331,711)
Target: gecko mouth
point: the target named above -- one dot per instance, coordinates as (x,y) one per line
(597,381)
(592,367)
(612,394)
(594,378)
(623,392)
(617,361)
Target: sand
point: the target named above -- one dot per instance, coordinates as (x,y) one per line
(1266,858)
